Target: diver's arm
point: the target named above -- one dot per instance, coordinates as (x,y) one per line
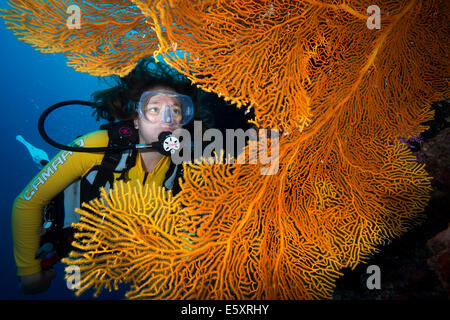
(27,212)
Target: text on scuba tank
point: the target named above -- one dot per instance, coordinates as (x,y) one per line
(48,171)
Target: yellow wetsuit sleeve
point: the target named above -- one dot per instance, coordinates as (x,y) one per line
(27,213)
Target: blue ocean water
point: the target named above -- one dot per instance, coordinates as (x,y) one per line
(32,81)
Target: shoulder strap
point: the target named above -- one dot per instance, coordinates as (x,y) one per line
(172,177)
(119,134)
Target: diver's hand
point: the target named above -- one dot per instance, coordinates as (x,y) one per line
(37,282)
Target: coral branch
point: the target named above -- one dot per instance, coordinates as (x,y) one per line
(113,35)
(340,92)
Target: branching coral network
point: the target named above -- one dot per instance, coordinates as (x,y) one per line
(341,94)
(112,37)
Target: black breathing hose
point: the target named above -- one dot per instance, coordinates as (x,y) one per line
(41,127)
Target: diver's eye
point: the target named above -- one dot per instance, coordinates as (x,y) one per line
(153,109)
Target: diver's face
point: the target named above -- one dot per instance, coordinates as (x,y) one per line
(164,109)
(158,117)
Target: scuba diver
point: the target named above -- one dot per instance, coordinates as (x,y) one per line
(150,103)
(39,156)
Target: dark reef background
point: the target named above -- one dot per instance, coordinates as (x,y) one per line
(416,265)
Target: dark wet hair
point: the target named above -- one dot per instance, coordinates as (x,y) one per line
(120,101)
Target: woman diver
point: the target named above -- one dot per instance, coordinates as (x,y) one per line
(149,101)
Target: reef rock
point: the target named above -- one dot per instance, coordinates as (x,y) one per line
(440,261)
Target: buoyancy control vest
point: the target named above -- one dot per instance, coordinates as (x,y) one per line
(60,213)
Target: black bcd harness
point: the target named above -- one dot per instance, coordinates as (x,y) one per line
(59,214)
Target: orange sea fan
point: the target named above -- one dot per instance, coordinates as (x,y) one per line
(297,60)
(247,236)
(113,35)
(344,185)
(126,236)
(289,237)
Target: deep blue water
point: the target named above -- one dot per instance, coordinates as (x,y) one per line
(30,82)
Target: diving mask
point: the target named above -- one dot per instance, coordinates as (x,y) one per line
(166,107)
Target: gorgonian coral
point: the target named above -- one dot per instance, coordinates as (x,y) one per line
(340,92)
(300,61)
(232,233)
(113,35)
